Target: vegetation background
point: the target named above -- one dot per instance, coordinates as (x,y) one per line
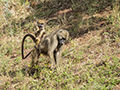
(91,58)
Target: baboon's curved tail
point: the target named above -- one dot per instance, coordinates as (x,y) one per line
(22,49)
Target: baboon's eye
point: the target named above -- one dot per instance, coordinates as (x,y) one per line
(60,31)
(64,38)
(42,23)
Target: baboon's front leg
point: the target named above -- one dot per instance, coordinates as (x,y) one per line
(51,55)
(58,55)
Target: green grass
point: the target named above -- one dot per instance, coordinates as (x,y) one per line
(90,59)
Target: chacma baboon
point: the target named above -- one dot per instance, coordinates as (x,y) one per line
(40,32)
(51,45)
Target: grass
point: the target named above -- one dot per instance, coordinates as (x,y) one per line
(90,59)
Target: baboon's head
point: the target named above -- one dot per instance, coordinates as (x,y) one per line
(62,36)
(41,23)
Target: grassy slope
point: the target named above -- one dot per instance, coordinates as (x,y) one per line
(90,59)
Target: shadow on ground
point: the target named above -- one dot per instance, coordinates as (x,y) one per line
(70,15)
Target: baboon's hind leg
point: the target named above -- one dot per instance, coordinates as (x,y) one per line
(34,56)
